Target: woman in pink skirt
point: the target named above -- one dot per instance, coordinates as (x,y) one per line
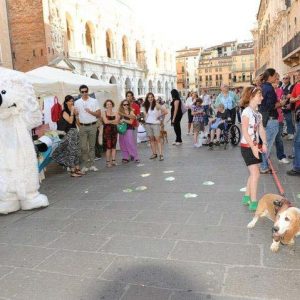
(127,144)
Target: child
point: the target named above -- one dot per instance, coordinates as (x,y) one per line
(198,121)
(252,130)
(217,125)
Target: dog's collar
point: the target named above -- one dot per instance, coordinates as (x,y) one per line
(278,207)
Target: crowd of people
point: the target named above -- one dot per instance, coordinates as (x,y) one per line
(268,112)
(81,119)
(266,106)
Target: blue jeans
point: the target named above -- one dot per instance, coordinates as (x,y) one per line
(296,163)
(289,122)
(279,143)
(271,132)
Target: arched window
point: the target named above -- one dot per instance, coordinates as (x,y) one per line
(70,31)
(109,44)
(94,76)
(127,85)
(140,87)
(112,80)
(89,37)
(157,58)
(150,86)
(139,54)
(125,53)
(159,87)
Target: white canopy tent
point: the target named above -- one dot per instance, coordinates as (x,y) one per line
(67,83)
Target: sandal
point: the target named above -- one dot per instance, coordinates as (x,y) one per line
(108,164)
(125,161)
(161,158)
(137,161)
(153,156)
(74,174)
(113,162)
(79,172)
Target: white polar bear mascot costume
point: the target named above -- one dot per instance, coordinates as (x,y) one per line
(19,113)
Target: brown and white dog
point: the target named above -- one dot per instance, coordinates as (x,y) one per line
(285,217)
(163,134)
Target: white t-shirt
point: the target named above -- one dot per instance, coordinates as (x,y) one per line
(81,105)
(255,118)
(206,99)
(189,102)
(152,116)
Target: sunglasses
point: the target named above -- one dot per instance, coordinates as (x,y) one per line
(125,104)
(285,78)
(84,92)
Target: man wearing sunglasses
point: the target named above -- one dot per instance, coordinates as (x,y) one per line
(287,88)
(88,112)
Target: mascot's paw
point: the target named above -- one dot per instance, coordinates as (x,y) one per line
(9,207)
(39,201)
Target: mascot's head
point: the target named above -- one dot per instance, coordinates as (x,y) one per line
(4,100)
(17,97)
(16,91)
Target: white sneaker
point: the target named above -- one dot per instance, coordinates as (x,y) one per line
(93,168)
(177,143)
(284,161)
(84,169)
(290,137)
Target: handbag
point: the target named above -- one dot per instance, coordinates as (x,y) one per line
(183,108)
(122,127)
(63,125)
(56,110)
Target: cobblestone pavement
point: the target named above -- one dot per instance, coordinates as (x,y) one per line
(97,242)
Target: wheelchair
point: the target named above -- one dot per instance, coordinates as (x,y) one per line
(231,134)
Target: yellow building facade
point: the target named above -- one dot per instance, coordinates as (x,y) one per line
(230,63)
(187,70)
(242,65)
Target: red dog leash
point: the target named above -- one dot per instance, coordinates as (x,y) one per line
(276,179)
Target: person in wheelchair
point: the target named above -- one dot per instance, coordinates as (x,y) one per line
(218,124)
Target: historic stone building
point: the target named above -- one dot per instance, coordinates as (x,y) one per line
(230,63)
(5,51)
(277,36)
(186,65)
(96,38)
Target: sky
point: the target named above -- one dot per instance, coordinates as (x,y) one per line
(195,23)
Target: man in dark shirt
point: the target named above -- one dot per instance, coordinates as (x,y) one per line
(287,88)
